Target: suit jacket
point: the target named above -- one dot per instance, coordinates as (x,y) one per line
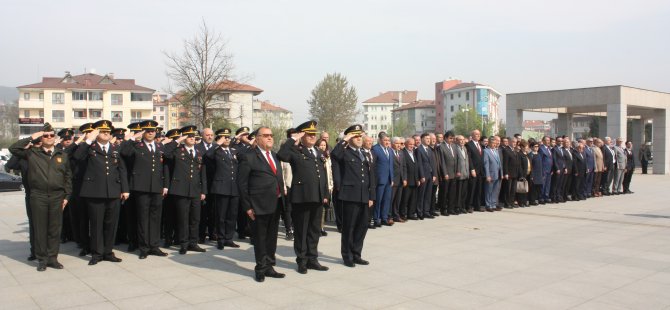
(463,166)
(448,160)
(568,158)
(476,157)
(413,176)
(510,162)
(384,164)
(356,175)
(598,159)
(590,159)
(188,176)
(310,180)
(608,157)
(224,179)
(578,164)
(399,167)
(559,159)
(630,162)
(209,162)
(547,159)
(260,188)
(620,158)
(492,164)
(427,162)
(147,174)
(537,169)
(524,165)
(105,174)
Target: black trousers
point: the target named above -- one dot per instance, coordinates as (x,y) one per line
(442,195)
(208,217)
(80,221)
(130,208)
(452,195)
(556,184)
(408,203)
(433,198)
(31,225)
(47,224)
(476,192)
(285,212)
(461,195)
(576,186)
(337,207)
(396,199)
(354,228)
(307,225)
(511,191)
(627,177)
(425,192)
(244,228)
(264,230)
(169,219)
(67,233)
(149,207)
(188,219)
(567,186)
(645,164)
(104,218)
(226,211)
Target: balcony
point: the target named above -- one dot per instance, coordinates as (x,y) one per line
(31,104)
(83,104)
(31,120)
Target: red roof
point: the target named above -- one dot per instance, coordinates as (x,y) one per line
(267,106)
(466,85)
(228,85)
(88,81)
(393,97)
(417,104)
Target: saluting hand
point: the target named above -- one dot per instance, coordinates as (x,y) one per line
(62,207)
(182,138)
(36,135)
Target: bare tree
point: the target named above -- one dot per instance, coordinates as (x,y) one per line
(198,71)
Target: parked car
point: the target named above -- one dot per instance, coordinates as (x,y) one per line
(10,182)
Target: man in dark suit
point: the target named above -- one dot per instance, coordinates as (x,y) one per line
(309,192)
(169,215)
(370,156)
(384,177)
(399,177)
(477,178)
(511,167)
(448,157)
(188,186)
(242,144)
(224,186)
(547,168)
(105,183)
(428,171)
(568,176)
(559,170)
(148,184)
(128,216)
(357,194)
(578,172)
(590,167)
(630,167)
(208,215)
(409,192)
(260,184)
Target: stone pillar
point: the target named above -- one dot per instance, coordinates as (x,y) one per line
(514,121)
(616,120)
(661,132)
(564,125)
(602,127)
(637,138)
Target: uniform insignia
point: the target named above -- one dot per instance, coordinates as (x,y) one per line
(59,159)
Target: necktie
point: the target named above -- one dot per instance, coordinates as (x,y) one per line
(227,153)
(49,153)
(271,162)
(151,148)
(104,149)
(478,148)
(311,151)
(190,152)
(360,155)
(397,156)
(207,146)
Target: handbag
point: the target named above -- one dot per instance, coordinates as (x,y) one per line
(522,186)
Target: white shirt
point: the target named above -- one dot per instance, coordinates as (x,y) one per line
(151,145)
(104,147)
(189,149)
(265,155)
(411,155)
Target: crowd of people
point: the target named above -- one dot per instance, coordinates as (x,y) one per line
(188,187)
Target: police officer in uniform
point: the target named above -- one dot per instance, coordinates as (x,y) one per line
(50,179)
(241,144)
(309,192)
(77,204)
(68,233)
(224,186)
(169,214)
(105,183)
(128,217)
(148,185)
(188,187)
(357,194)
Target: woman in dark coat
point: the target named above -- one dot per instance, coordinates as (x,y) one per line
(536,172)
(523,172)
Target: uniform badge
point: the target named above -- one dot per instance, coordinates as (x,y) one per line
(59,159)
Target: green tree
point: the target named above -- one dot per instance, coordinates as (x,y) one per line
(333,103)
(401,128)
(502,130)
(465,122)
(594,127)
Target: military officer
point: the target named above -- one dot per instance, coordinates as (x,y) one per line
(50,179)
(309,192)
(147,184)
(357,194)
(128,217)
(105,183)
(188,186)
(169,213)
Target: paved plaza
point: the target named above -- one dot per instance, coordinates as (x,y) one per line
(607,253)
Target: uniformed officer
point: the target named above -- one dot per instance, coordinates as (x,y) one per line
(309,192)
(208,213)
(169,213)
(224,186)
(77,203)
(147,184)
(188,185)
(65,144)
(128,218)
(357,194)
(117,135)
(241,144)
(105,184)
(50,179)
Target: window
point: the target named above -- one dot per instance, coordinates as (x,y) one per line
(78,95)
(162,118)
(28,130)
(162,109)
(95,95)
(117,99)
(452,120)
(174,114)
(182,114)
(41,113)
(26,113)
(140,97)
(459,94)
(452,108)
(224,97)
(95,113)
(117,116)
(26,96)
(136,114)
(452,96)
(154,117)
(467,96)
(58,98)
(57,115)
(79,114)
(41,96)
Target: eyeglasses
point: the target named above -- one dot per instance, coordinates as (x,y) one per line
(267,135)
(150,130)
(48,135)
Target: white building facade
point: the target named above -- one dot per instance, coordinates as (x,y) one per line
(377,111)
(468,96)
(415,118)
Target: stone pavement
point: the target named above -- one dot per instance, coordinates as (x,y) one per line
(607,253)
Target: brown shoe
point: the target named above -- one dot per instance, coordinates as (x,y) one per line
(498,209)
(390,222)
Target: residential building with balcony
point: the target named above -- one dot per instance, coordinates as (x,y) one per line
(415,118)
(268,114)
(377,115)
(467,96)
(70,101)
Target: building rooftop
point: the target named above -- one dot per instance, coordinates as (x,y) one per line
(408,96)
(267,106)
(232,86)
(90,81)
(416,104)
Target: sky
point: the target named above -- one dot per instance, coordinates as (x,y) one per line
(287,47)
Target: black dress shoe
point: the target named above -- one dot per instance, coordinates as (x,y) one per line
(157,252)
(83,252)
(41,266)
(93,261)
(259,277)
(274,274)
(32,258)
(434,214)
(231,244)
(378,224)
(143,255)
(324,233)
(413,218)
(182,251)
(219,245)
(302,269)
(167,244)
(371,226)
(132,247)
(360,261)
(429,216)
(55,265)
(444,213)
(386,223)
(349,263)
(196,248)
(317,266)
(111,258)
(289,235)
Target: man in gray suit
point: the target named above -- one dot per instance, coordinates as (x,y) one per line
(620,167)
(493,172)
(447,194)
(463,168)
